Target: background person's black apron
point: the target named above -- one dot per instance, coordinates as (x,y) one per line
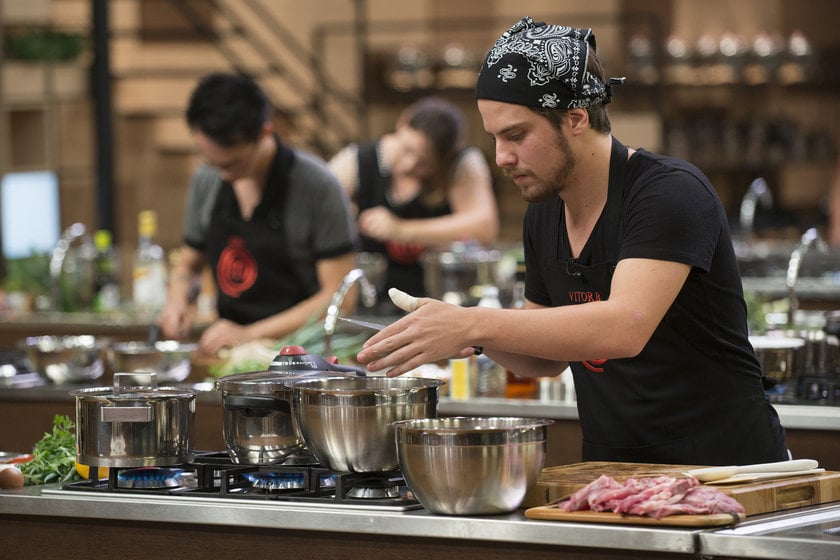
(405,268)
(252,267)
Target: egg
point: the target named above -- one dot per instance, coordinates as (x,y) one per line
(10,477)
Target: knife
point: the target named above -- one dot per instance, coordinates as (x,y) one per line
(708,474)
(364,324)
(378,327)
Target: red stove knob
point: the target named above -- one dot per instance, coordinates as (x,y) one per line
(293,351)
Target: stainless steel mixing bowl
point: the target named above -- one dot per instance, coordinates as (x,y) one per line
(66,359)
(347,423)
(471,466)
(169,359)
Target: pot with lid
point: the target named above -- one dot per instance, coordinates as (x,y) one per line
(134,426)
(258,425)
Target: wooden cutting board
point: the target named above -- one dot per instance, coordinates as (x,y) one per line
(757,497)
(551,513)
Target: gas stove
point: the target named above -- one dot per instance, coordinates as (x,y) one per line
(213,475)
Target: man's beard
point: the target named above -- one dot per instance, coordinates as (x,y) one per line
(558,178)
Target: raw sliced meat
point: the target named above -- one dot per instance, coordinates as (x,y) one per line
(651,496)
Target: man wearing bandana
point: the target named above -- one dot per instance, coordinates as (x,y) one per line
(631,276)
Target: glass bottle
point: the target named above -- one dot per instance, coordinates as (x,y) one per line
(106,267)
(520,387)
(149,270)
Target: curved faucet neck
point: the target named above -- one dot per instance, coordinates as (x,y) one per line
(368,297)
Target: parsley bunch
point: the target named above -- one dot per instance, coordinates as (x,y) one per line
(54,456)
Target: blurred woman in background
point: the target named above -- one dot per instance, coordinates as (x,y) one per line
(418,187)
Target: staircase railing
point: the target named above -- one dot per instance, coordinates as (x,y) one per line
(325,118)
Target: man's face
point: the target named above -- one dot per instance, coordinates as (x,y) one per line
(529,149)
(232,162)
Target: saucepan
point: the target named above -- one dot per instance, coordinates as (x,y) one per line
(259,427)
(134,426)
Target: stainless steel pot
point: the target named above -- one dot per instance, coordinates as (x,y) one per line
(258,425)
(452,275)
(779,356)
(134,426)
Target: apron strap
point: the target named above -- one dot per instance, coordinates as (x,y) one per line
(615,194)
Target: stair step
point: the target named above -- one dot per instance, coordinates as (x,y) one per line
(131,57)
(153,95)
(172,135)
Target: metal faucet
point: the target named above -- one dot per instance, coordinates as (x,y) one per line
(810,238)
(757,193)
(59,253)
(368,293)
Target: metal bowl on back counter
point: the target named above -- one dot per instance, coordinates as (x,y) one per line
(66,359)
(169,359)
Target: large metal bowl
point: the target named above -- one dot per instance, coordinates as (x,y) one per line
(471,466)
(169,359)
(66,359)
(347,423)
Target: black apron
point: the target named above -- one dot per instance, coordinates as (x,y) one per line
(255,277)
(662,392)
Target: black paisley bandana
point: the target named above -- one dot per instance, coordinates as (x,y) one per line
(541,65)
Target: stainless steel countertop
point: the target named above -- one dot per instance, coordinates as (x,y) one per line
(513,527)
(794,536)
(812,534)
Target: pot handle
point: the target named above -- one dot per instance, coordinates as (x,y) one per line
(118,387)
(126,414)
(256,406)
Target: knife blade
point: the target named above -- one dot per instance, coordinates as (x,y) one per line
(364,324)
(378,327)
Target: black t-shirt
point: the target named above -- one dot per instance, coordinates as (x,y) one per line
(694,394)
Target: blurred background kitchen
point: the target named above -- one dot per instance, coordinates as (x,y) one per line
(95,155)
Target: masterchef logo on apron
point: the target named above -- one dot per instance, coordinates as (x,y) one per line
(236,270)
(404,253)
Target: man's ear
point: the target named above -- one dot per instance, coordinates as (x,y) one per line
(577,119)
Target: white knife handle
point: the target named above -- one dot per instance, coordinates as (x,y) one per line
(780,466)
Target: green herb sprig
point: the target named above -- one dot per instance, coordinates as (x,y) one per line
(53,456)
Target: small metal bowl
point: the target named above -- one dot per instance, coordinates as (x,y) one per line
(66,359)
(471,466)
(169,359)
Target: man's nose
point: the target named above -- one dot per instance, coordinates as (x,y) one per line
(504,156)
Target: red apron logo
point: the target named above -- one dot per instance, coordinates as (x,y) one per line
(594,365)
(236,270)
(404,253)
